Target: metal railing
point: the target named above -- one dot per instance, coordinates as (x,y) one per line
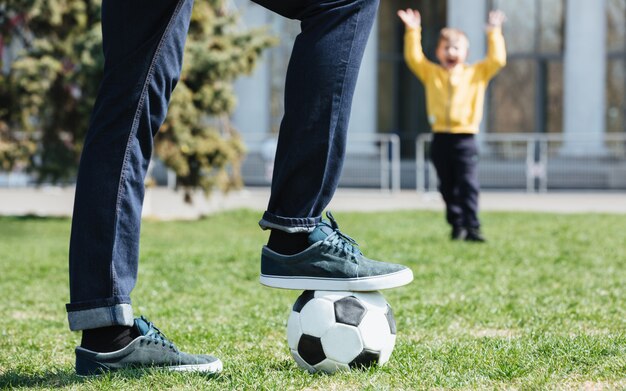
(530,162)
(538,162)
(389,158)
(372,160)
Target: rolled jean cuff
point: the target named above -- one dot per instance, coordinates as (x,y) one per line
(289,224)
(92,318)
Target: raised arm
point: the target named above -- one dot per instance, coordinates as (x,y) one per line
(496,48)
(413,52)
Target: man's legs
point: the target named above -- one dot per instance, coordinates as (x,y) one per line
(320,84)
(143,45)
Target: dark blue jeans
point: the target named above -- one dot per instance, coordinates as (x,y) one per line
(143,42)
(455,157)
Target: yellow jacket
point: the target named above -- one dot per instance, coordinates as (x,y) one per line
(455,99)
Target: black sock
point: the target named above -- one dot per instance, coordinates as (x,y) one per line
(108,339)
(288,244)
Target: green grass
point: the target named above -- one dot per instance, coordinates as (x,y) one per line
(541,305)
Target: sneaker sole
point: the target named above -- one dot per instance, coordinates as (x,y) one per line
(88,369)
(364,284)
(214,367)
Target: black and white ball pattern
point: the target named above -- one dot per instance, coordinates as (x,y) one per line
(330,331)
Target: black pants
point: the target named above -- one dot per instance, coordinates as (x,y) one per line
(455,157)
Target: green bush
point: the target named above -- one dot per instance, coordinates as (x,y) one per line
(51,85)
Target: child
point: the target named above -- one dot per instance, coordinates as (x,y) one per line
(455,92)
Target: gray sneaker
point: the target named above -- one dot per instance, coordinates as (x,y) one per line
(150,350)
(333,262)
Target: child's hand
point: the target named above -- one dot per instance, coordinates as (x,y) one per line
(411,18)
(496,19)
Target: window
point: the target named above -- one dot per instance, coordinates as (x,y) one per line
(534,35)
(616,66)
(513,112)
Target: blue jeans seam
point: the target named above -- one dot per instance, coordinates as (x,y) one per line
(135,126)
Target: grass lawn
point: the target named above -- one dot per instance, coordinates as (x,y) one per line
(542,305)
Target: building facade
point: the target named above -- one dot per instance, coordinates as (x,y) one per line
(566,71)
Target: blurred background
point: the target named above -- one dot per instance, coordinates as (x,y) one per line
(554,117)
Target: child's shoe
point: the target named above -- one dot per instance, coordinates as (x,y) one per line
(474,235)
(458,233)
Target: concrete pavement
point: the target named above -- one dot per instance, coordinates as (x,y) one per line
(162,203)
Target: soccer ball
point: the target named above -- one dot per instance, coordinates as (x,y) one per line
(330,331)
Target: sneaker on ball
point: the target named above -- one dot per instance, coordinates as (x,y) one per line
(150,350)
(332,262)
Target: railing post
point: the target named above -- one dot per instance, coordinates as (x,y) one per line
(419,164)
(543,162)
(384,163)
(394,139)
(530,163)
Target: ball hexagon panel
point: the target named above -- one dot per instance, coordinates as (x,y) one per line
(332,295)
(316,317)
(375,330)
(294,331)
(349,310)
(385,353)
(304,298)
(342,343)
(330,366)
(310,349)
